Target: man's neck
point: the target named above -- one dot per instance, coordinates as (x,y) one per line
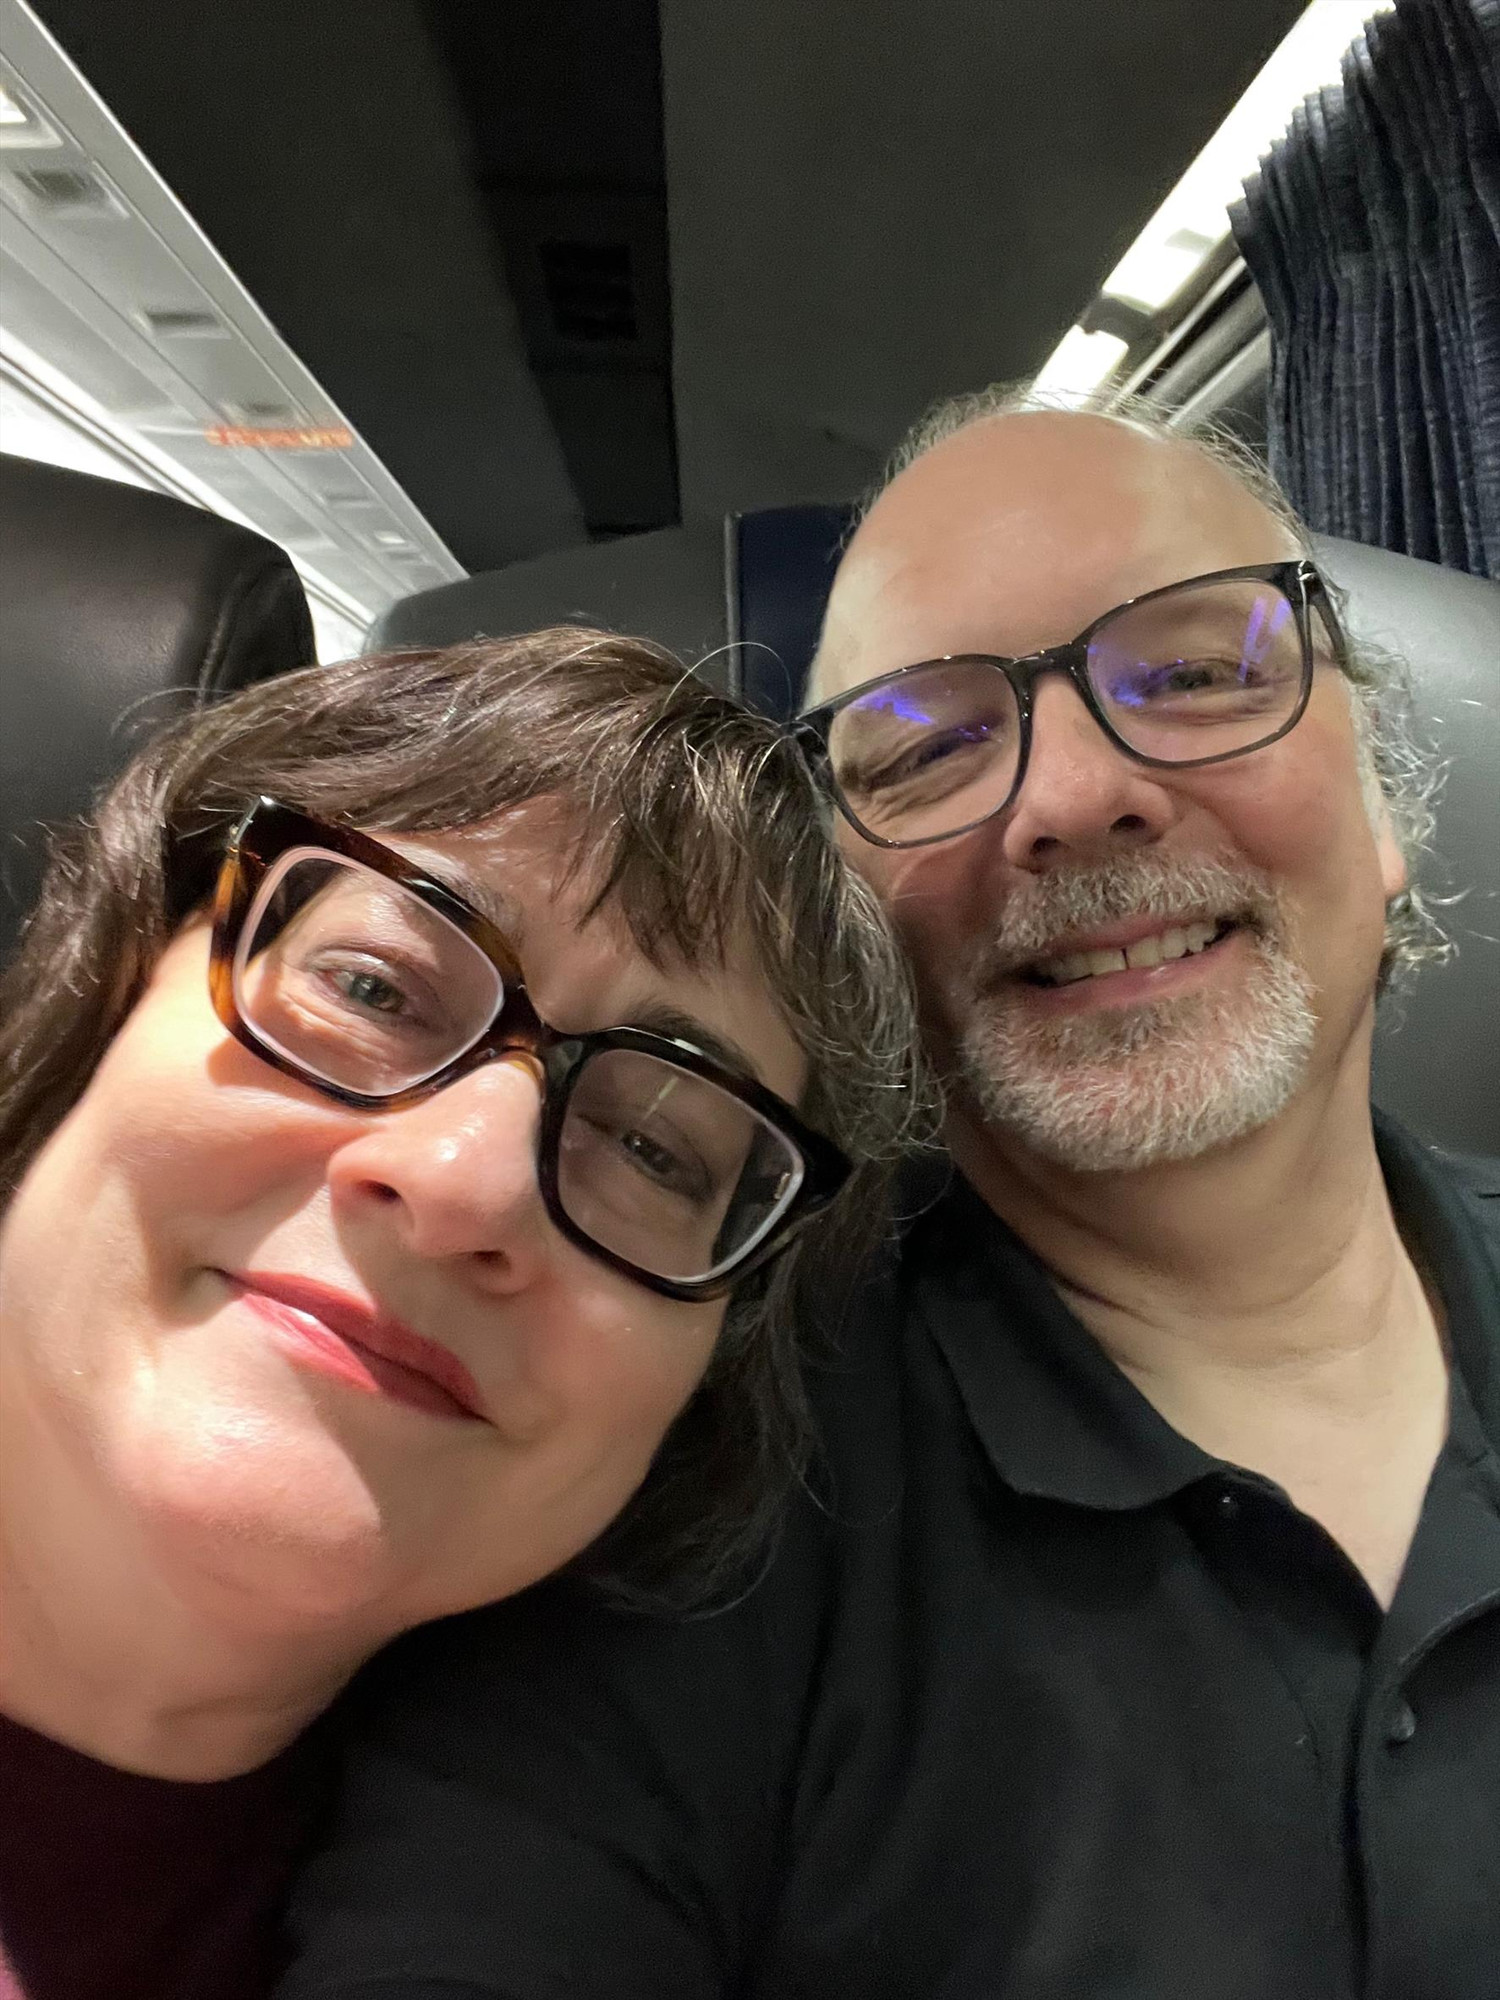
(1261,1297)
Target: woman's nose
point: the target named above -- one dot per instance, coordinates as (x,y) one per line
(454,1175)
(1081,793)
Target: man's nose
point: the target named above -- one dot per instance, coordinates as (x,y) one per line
(1081,794)
(454,1175)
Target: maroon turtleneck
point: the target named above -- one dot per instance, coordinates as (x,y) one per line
(119,1887)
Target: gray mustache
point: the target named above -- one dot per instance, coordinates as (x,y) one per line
(1040,916)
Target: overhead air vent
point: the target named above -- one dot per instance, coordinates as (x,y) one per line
(261,413)
(65,192)
(590,291)
(184,323)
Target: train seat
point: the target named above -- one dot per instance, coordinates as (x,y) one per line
(117,606)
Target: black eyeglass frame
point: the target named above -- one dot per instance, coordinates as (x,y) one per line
(1298,580)
(270,829)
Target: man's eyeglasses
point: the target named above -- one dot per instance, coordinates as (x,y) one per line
(1195,673)
(343,964)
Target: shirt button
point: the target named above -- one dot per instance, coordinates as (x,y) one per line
(1228,1504)
(1402,1726)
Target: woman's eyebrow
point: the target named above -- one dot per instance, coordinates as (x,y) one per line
(661,1017)
(657,1017)
(491,903)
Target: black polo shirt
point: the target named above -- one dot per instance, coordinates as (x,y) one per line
(1037,1701)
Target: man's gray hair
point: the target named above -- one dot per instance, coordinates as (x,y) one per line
(1402,775)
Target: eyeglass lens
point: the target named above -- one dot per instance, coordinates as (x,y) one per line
(362,985)
(928,753)
(1204,671)
(668,1170)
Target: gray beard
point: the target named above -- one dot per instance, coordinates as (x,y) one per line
(1133,1087)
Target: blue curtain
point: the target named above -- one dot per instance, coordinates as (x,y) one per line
(1373,231)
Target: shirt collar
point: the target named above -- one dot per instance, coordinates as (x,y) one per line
(1059,1421)
(1057,1418)
(1450,1212)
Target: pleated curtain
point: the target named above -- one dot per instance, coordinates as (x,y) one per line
(1373,231)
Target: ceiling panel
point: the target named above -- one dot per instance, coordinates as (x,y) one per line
(579,264)
(871,207)
(317,144)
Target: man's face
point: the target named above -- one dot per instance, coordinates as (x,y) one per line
(1130,964)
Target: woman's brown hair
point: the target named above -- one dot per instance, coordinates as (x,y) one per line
(697,818)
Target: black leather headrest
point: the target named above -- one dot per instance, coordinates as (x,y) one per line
(667,586)
(117,607)
(1437,1050)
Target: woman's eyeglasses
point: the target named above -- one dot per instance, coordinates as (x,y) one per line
(1192,674)
(343,964)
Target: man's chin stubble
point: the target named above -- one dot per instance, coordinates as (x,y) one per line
(1122,1089)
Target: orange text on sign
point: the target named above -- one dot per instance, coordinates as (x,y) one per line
(330,437)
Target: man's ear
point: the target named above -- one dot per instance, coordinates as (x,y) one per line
(1395,876)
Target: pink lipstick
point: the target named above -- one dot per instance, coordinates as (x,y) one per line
(340,1336)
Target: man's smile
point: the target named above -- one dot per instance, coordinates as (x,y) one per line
(1131,964)
(1152,943)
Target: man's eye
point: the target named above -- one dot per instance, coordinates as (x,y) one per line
(1142,684)
(928,752)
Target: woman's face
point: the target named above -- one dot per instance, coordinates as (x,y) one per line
(180,1262)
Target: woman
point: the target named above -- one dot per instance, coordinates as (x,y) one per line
(400,1071)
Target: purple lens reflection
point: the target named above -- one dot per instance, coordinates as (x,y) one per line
(1268,619)
(1202,671)
(894,700)
(928,752)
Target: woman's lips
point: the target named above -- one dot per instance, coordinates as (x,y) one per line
(339,1336)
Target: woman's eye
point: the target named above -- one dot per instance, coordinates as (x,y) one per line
(645,1151)
(368,989)
(667,1167)
(1195,674)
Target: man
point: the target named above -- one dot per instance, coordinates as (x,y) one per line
(1140,1633)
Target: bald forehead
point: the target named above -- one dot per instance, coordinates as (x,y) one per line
(1015,533)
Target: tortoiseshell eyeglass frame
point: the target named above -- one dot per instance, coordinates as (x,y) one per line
(270,829)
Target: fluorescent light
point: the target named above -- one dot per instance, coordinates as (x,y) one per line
(1156,266)
(1195,215)
(1080,363)
(1194,218)
(20,125)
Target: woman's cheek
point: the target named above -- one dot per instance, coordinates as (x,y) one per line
(632,1358)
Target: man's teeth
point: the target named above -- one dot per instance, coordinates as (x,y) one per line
(1159,949)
